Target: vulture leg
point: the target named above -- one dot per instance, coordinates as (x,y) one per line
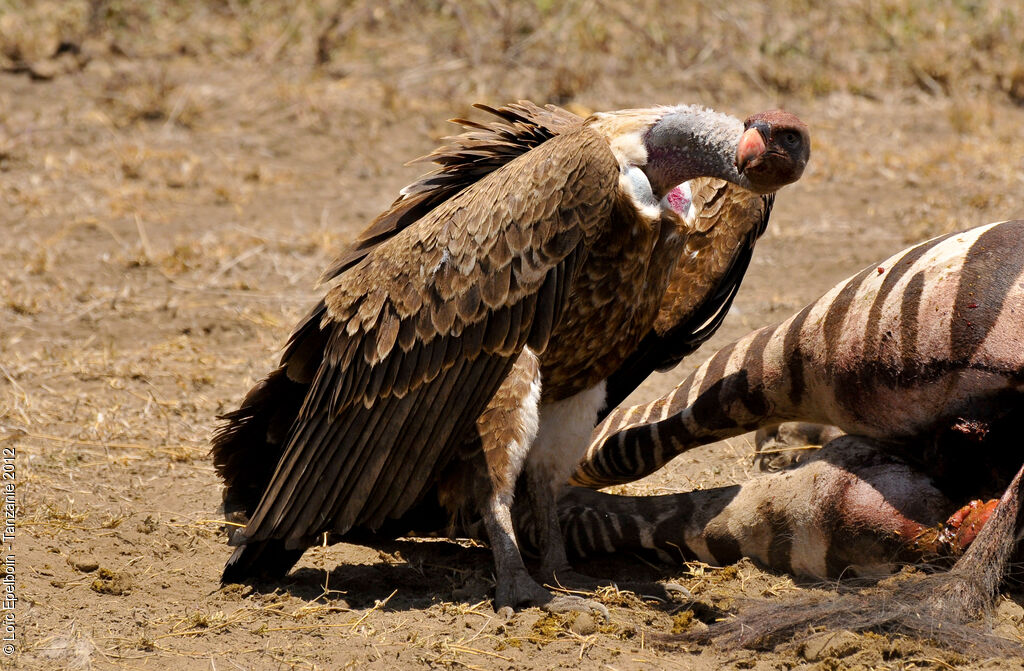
(507,429)
(564,432)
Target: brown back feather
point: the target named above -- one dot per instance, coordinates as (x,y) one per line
(397,363)
(464,160)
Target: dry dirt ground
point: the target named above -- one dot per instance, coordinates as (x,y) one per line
(168,203)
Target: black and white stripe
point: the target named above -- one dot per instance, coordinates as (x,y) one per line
(850,510)
(902,350)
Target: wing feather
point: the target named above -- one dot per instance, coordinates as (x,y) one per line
(402,379)
(425,421)
(348,494)
(465,160)
(497,329)
(515,325)
(408,367)
(472,390)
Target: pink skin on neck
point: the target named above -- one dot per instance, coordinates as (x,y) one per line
(678,200)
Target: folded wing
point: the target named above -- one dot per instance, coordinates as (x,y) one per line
(403,355)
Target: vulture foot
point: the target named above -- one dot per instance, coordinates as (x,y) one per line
(666,592)
(567,579)
(564,603)
(514,586)
(524,592)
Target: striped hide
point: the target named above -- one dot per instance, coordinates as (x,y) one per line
(850,509)
(921,351)
(917,358)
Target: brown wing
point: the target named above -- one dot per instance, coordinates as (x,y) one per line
(706,278)
(465,160)
(410,346)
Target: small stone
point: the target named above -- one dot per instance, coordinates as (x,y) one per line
(43,70)
(85,565)
(584,625)
(147,526)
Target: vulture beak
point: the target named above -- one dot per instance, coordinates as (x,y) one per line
(752,144)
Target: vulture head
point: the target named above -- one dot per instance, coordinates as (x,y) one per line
(773,150)
(762,155)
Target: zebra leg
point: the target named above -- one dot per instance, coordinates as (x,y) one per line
(937,606)
(972,584)
(850,509)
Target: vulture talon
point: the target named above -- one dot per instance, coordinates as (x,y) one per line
(524,592)
(564,603)
(570,580)
(677,589)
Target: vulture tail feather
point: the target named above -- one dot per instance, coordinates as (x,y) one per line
(260,561)
(247,447)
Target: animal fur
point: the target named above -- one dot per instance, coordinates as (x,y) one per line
(918,359)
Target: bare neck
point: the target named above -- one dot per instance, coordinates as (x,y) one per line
(691,141)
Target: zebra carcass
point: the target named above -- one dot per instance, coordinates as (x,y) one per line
(919,360)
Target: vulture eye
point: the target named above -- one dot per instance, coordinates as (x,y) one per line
(790,139)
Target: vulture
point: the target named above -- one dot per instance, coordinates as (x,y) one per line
(468,335)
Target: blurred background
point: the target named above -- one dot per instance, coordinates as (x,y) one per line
(559,52)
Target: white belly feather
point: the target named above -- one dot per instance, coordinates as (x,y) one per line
(564,434)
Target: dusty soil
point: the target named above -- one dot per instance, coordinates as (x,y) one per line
(166,213)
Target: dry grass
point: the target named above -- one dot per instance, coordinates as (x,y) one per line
(558,51)
(174,176)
